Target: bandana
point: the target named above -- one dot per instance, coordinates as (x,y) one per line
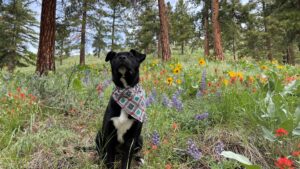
(132,101)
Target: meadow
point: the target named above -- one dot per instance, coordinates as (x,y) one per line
(201,113)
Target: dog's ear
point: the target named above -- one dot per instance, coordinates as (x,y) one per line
(139,56)
(110,55)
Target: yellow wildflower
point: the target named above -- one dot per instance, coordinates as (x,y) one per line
(169,80)
(264,67)
(280,67)
(176,70)
(201,62)
(178,81)
(274,61)
(232,74)
(179,66)
(240,75)
(225,82)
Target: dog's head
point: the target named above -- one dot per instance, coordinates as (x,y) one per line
(125,67)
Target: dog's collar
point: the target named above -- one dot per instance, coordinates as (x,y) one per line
(131,100)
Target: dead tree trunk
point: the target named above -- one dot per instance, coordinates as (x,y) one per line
(83,31)
(164,31)
(45,56)
(217,30)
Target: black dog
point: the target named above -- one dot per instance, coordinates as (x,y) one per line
(123,119)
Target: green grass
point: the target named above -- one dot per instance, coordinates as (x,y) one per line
(68,113)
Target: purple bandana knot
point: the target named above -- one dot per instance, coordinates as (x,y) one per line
(132,101)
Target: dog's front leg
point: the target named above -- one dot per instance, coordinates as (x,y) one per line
(127,157)
(110,158)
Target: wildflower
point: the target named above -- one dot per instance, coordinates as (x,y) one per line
(168,166)
(225,82)
(166,101)
(203,81)
(177,102)
(178,81)
(250,79)
(176,70)
(274,61)
(179,66)
(154,147)
(240,76)
(280,67)
(155,138)
(296,153)
(201,116)
(22,96)
(201,62)
(284,163)
(169,80)
(174,126)
(232,74)
(281,132)
(19,89)
(198,94)
(193,151)
(263,67)
(219,148)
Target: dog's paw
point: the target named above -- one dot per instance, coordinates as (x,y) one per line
(140,161)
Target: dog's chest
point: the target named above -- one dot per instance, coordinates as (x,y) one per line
(122,124)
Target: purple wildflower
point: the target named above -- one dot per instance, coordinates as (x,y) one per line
(203,80)
(193,151)
(198,94)
(155,138)
(201,116)
(177,103)
(151,98)
(219,148)
(166,101)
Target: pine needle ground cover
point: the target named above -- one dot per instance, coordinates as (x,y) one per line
(200,114)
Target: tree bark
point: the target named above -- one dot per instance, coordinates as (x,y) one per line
(159,52)
(217,30)
(290,54)
(164,31)
(83,31)
(206,27)
(45,56)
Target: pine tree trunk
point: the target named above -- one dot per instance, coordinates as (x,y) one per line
(291,55)
(164,31)
(217,30)
(159,46)
(206,27)
(113,29)
(61,53)
(233,47)
(83,31)
(45,56)
(182,48)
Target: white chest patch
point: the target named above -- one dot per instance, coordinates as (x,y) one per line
(122,124)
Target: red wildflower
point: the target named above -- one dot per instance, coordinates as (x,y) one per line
(168,166)
(22,96)
(284,163)
(154,147)
(296,153)
(281,132)
(19,89)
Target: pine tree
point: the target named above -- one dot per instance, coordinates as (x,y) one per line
(16,33)
(46,50)
(164,30)
(217,30)
(182,25)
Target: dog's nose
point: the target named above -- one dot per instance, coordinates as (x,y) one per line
(122,57)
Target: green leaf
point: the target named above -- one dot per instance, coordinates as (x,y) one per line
(271,108)
(242,159)
(268,135)
(296,131)
(297,114)
(287,125)
(77,84)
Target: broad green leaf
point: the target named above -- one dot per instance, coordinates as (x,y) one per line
(242,159)
(296,131)
(271,108)
(268,135)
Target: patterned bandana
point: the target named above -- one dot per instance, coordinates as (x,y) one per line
(132,101)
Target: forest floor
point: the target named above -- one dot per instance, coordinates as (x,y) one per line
(200,114)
